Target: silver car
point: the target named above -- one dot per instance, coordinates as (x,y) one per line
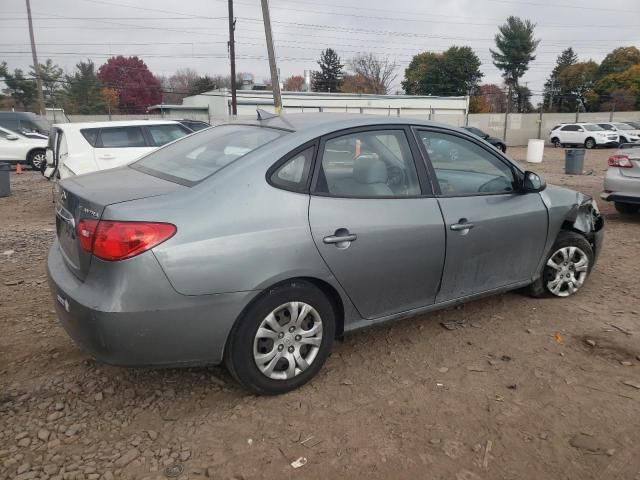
(622,182)
(256,244)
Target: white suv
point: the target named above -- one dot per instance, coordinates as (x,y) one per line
(588,135)
(17,148)
(79,148)
(626,132)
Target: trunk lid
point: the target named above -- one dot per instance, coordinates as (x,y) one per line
(634,156)
(86,197)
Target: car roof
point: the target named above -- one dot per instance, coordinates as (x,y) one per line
(322,123)
(115,123)
(18,114)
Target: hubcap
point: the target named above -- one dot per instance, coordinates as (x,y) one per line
(288,340)
(37,160)
(566,271)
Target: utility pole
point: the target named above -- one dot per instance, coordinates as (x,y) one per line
(232,54)
(506,114)
(36,65)
(275,82)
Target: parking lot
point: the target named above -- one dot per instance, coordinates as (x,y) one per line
(515,387)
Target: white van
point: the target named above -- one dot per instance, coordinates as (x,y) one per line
(79,148)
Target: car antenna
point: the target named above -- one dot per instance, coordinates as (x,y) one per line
(264,115)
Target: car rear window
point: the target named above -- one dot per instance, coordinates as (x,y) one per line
(122,137)
(202,154)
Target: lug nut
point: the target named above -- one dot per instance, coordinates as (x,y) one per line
(298,338)
(280,335)
(280,347)
(291,349)
(291,329)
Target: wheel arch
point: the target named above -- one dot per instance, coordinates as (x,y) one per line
(34,149)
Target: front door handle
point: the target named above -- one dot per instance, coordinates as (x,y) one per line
(107,156)
(462,225)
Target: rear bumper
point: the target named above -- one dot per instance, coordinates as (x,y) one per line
(621,198)
(128,320)
(620,188)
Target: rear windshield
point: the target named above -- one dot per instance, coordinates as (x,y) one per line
(592,128)
(202,154)
(623,126)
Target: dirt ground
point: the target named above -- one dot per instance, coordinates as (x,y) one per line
(515,392)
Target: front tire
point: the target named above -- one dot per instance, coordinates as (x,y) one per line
(626,208)
(282,340)
(565,268)
(36,159)
(621,140)
(589,143)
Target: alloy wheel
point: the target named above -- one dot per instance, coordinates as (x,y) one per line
(288,340)
(37,160)
(566,271)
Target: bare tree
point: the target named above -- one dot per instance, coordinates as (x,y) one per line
(378,73)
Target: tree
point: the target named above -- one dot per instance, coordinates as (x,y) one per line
(455,71)
(137,87)
(579,81)
(628,80)
(378,73)
(21,89)
(82,90)
(521,99)
(330,76)
(355,84)
(553,96)
(295,83)
(489,98)
(178,85)
(618,61)
(203,84)
(620,100)
(51,75)
(515,49)
(111,99)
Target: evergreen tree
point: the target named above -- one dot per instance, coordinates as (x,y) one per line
(22,89)
(51,81)
(83,90)
(330,76)
(552,88)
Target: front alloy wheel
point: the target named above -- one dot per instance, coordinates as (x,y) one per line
(589,143)
(566,271)
(288,340)
(37,159)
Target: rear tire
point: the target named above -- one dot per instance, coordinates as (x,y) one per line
(264,331)
(589,143)
(621,140)
(36,159)
(574,270)
(626,208)
(556,142)
(502,147)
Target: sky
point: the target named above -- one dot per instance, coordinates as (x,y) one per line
(170,35)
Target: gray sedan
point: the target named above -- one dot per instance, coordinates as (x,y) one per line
(622,182)
(256,244)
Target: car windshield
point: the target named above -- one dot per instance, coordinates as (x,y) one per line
(593,128)
(36,124)
(202,154)
(623,126)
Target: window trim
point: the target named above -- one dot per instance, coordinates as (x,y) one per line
(290,156)
(99,143)
(421,172)
(517,173)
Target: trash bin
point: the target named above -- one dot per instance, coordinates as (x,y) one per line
(574,161)
(5,186)
(535,150)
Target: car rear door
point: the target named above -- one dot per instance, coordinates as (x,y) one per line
(375,221)
(117,146)
(495,235)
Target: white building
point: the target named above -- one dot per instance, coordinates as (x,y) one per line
(217,103)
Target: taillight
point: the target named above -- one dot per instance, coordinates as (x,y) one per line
(111,240)
(621,161)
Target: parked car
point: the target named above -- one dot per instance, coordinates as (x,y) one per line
(26,124)
(16,148)
(496,142)
(194,125)
(622,182)
(79,148)
(582,134)
(257,243)
(635,125)
(626,133)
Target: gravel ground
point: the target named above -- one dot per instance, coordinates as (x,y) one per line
(522,388)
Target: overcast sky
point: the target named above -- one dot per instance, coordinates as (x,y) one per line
(170,35)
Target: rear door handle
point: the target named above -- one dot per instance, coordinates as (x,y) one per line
(462,225)
(352,237)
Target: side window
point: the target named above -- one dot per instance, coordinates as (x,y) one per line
(294,173)
(90,135)
(464,168)
(376,163)
(163,134)
(119,137)
(570,128)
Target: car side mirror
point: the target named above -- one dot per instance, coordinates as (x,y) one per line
(533,183)
(11,136)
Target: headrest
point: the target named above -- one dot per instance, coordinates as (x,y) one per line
(369,169)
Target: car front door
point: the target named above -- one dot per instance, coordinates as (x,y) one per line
(375,221)
(495,234)
(118,146)
(13,150)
